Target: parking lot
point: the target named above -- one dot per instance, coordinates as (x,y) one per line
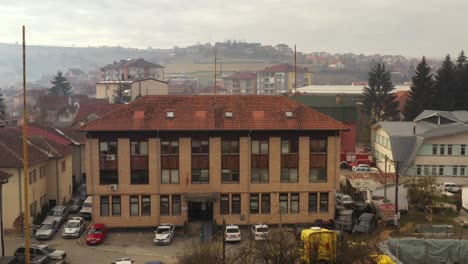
(136,244)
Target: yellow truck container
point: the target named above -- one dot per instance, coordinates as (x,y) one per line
(318,244)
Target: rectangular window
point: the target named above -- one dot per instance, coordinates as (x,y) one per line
(200,147)
(108,177)
(289,175)
(449,149)
(260,175)
(224,204)
(313,203)
(462,170)
(265,203)
(176,209)
(104,203)
(170,176)
(441,170)
(294,203)
(426,170)
(30,178)
(455,170)
(116,206)
(139,148)
(442,149)
(35,175)
(108,148)
(318,174)
(236,204)
(462,149)
(139,177)
(318,146)
(260,147)
(434,149)
(283,203)
(134,205)
(254,203)
(200,176)
(164,205)
(290,146)
(170,147)
(418,170)
(145,205)
(64,166)
(323,202)
(230,176)
(433,170)
(230,147)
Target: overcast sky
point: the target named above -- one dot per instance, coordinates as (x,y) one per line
(408,27)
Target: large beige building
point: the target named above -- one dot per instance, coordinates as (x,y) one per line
(245,159)
(49,174)
(135,88)
(132,69)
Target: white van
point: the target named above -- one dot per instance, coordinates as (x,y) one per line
(87,210)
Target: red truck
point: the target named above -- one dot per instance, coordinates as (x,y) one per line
(349,160)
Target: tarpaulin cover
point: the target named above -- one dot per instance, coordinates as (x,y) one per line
(422,251)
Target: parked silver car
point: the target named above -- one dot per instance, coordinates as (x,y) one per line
(59,213)
(47,229)
(58,256)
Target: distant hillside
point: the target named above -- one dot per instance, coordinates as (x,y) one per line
(197,61)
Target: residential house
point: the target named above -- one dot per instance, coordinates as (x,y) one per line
(246,159)
(434,144)
(241,83)
(134,88)
(132,69)
(281,78)
(49,173)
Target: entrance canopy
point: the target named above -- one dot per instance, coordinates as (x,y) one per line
(201,197)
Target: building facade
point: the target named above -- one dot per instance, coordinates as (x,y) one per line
(241,83)
(281,78)
(132,69)
(434,144)
(245,159)
(135,88)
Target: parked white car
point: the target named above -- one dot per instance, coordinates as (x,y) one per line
(74,227)
(259,231)
(343,199)
(164,234)
(451,187)
(232,233)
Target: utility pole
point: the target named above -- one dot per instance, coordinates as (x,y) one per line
(295,70)
(25,161)
(385,179)
(214,80)
(397,173)
(224,241)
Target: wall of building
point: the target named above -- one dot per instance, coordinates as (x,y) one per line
(59,181)
(105,91)
(215,187)
(381,149)
(148,87)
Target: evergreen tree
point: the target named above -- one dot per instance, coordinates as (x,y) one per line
(61,86)
(2,106)
(445,86)
(378,102)
(461,71)
(419,98)
(120,95)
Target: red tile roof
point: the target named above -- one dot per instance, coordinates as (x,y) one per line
(34,131)
(11,144)
(93,106)
(245,109)
(242,75)
(380,177)
(73,134)
(284,68)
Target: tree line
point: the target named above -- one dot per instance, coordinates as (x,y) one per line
(446,90)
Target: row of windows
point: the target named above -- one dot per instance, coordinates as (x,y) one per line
(439,170)
(171,176)
(33,174)
(228,147)
(260,203)
(140,205)
(442,149)
(384,141)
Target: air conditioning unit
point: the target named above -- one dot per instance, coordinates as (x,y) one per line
(110,157)
(113,187)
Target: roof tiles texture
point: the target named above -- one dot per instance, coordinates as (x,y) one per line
(93,106)
(244,110)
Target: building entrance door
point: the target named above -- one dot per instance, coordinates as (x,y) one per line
(200,211)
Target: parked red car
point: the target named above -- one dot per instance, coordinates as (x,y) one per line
(96,235)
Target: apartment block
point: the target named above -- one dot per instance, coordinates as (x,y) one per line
(282,78)
(244,159)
